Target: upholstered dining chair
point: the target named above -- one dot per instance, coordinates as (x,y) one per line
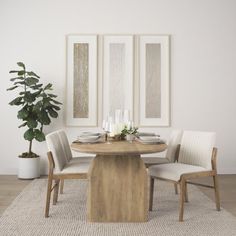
(170,157)
(174,141)
(67,150)
(60,168)
(196,158)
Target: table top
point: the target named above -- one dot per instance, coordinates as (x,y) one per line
(118,148)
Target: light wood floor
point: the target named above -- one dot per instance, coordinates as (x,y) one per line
(10,187)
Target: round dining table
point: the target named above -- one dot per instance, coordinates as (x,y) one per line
(117,189)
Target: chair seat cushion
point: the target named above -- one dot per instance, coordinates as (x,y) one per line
(173,171)
(75,168)
(148,161)
(81,159)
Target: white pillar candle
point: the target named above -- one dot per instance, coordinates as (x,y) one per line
(117,116)
(126,116)
(103,124)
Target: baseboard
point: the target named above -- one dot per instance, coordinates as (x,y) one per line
(227,171)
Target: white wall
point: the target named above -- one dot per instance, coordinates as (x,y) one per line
(203,60)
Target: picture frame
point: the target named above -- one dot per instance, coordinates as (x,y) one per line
(153,89)
(118,73)
(81,80)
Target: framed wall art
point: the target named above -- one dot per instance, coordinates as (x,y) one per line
(117,73)
(153,80)
(81,80)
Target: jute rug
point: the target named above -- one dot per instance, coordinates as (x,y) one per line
(25,216)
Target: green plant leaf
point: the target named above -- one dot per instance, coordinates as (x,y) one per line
(31,81)
(21,72)
(29,134)
(52,95)
(16,101)
(29,97)
(23,113)
(44,118)
(13,79)
(52,113)
(31,123)
(12,88)
(48,87)
(31,73)
(37,86)
(22,125)
(37,106)
(21,64)
(13,71)
(20,82)
(56,107)
(39,136)
(56,102)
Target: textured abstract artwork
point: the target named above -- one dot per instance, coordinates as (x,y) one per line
(81,80)
(153,80)
(118,74)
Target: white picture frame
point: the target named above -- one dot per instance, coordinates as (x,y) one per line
(118,72)
(154,101)
(81,104)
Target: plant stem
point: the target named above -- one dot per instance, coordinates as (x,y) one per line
(30,147)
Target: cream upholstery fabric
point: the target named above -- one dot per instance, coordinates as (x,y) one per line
(65,144)
(55,146)
(67,150)
(155,160)
(173,171)
(174,141)
(74,168)
(85,159)
(196,148)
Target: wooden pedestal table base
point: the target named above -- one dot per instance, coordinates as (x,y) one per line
(117,189)
(117,181)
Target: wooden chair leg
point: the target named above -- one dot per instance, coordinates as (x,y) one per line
(217,193)
(55,192)
(151,189)
(48,197)
(181,200)
(176,188)
(186,192)
(61,186)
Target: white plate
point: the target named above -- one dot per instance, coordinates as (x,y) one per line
(145,134)
(89,134)
(151,141)
(149,138)
(89,141)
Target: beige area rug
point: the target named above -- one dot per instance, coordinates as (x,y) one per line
(25,216)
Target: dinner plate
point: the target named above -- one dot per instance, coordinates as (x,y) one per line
(89,134)
(89,141)
(151,141)
(88,138)
(149,138)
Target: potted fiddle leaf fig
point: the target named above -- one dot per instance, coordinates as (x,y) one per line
(37,105)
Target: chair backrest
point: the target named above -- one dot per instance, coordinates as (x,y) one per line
(174,141)
(65,144)
(55,146)
(196,148)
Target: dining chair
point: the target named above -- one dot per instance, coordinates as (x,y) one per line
(67,150)
(60,168)
(174,140)
(170,157)
(196,158)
